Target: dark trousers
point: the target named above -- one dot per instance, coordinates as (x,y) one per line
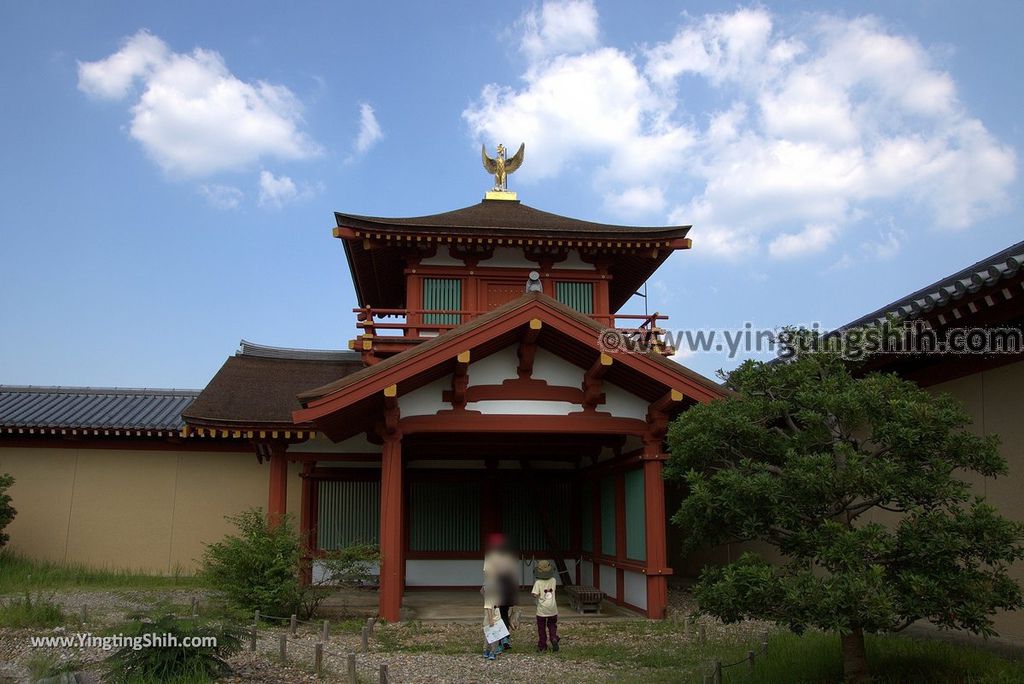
(547,626)
(504,612)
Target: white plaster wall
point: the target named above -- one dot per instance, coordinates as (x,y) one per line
(608,584)
(554,370)
(587,574)
(443,573)
(356,444)
(524,408)
(634,586)
(494,369)
(442,258)
(622,404)
(509,257)
(425,401)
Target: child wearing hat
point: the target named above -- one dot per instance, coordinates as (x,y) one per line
(547,608)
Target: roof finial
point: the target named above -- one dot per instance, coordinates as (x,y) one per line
(501,167)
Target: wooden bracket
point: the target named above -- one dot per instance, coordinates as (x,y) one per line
(391,411)
(657,413)
(460,381)
(528,348)
(593,382)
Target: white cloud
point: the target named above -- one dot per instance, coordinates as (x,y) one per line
(369,129)
(221,196)
(277,191)
(810,240)
(193,116)
(636,201)
(559,28)
(815,128)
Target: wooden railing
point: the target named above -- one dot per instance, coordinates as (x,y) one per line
(391,330)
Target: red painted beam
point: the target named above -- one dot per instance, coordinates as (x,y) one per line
(391,540)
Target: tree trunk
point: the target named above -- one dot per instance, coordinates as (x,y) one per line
(855,659)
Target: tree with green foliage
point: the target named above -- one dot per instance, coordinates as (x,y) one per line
(858,484)
(7,511)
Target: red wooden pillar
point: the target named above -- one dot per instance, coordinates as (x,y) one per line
(657,547)
(391,546)
(277,500)
(307,501)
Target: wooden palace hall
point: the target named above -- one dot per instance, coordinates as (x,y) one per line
(494,386)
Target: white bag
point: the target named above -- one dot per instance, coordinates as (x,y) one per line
(495,632)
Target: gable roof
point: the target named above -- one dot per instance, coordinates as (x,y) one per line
(93,408)
(568,332)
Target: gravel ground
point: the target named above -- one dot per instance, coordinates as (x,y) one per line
(427,652)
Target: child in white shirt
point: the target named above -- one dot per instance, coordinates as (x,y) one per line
(547,607)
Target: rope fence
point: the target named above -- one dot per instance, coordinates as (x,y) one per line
(716,667)
(288,644)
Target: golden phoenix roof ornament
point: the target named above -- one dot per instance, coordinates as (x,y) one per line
(501,167)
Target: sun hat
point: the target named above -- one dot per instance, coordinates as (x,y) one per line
(545,570)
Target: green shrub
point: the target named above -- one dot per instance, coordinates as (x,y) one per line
(161,661)
(258,568)
(28,612)
(47,664)
(7,511)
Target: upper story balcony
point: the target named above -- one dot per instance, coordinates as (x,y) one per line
(384,332)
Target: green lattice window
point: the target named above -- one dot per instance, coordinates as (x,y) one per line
(349,512)
(608,515)
(525,511)
(442,294)
(444,516)
(579,296)
(636,517)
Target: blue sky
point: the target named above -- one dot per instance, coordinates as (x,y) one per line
(168,171)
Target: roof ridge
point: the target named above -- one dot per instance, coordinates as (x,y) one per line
(246,348)
(83,389)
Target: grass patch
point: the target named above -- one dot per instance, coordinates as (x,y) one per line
(18,574)
(814,657)
(44,664)
(26,611)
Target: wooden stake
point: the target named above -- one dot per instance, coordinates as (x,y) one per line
(252,639)
(294,624)
(283,643)
(366,638)
(326,634)
(703,635)
(718,672)
(352,678)
(318,659)
(383,674)
(256,618)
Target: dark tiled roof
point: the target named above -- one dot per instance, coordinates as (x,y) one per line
(93,408)
(257,386)
(504,217)
(984,274)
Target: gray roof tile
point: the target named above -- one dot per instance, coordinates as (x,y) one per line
(93,407)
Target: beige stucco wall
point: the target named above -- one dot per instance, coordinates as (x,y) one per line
(148,510)
(995,400)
